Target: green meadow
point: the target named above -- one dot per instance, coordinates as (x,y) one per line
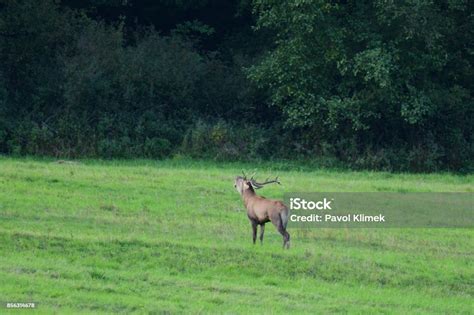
(173,237)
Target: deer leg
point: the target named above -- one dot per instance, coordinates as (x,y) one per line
(277,222)
(254,232)
(262,230)
(287,240)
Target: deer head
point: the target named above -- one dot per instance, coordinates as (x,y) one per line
(243,183)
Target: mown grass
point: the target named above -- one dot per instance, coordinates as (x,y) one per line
(172,236)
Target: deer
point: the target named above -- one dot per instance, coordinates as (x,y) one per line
(261,210)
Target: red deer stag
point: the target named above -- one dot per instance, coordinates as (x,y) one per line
(261,210)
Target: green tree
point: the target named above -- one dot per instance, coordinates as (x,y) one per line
(379,74)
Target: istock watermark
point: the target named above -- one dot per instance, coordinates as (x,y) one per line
(380,210)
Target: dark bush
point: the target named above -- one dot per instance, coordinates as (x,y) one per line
(368,85)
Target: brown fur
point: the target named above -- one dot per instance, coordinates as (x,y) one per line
(261,210)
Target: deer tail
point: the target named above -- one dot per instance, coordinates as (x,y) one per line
(284,217)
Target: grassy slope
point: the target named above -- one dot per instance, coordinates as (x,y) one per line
(173,236)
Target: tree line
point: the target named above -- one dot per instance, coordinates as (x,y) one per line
(363,84)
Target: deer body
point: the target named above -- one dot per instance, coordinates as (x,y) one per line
(261,210)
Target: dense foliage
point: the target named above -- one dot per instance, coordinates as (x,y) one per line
(379,80)
(380,84)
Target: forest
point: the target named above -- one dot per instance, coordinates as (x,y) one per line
(377,85)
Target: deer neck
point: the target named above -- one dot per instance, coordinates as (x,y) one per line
(247,195)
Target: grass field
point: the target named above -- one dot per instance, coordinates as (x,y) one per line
(172,236)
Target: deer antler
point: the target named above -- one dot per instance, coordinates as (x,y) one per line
(246,177)
(258,185)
